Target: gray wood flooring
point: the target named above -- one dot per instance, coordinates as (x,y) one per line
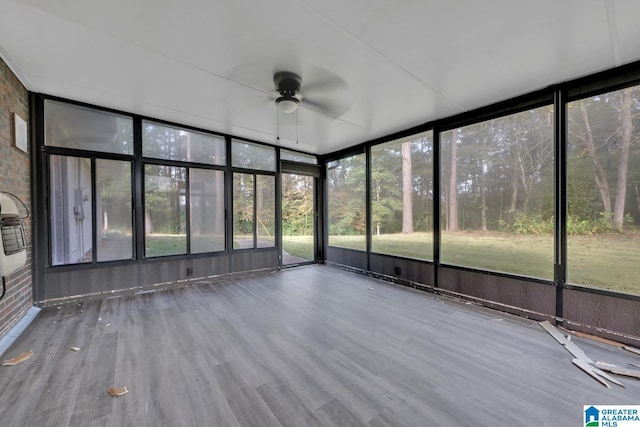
(310,346)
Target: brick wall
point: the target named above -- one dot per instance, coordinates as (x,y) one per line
(14,178)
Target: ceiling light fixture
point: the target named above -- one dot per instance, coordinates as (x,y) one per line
(287,105)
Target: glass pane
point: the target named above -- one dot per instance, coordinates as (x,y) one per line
(346,180)
(401,197)
(266,210)
(114,210)
(603,191)
(253,156)
(498,194)
(242,211)
(206,191)
(298,219)
(166,142)
(72,126)
(71,219)
(294,156)
(164,210)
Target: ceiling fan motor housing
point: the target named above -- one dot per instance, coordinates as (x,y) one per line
(287,83)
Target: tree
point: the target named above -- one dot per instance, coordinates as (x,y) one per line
(407,189)
(603,128)
(623,160)
(453,187)
(600,175)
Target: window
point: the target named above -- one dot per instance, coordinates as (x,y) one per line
(603,190)
(346,180)
(265,210)
(114,210)
(253,211)
(497,193)
(171,143)
(294,156)
(206,196)
(253,156)
(401,197)
(164,210)
(72,126)
(243,218)
(71,224)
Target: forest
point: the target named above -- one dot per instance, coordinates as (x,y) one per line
(497,195)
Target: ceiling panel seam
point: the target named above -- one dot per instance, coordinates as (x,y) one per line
(613,31)
(379,54)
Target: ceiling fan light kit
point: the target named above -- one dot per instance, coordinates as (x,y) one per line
(287,105)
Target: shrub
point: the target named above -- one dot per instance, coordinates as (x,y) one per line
(522,223)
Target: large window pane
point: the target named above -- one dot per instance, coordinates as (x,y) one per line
(243,222)
(346,179)
(603,190)
(164,211)
(72,126)
(206,190)
(253,156)
(401,197)
(71,220)
(498,194)
(171,143)
(265,210)
(114,210)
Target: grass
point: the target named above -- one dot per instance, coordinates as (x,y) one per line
(299,246)
(606,261)
(165,244)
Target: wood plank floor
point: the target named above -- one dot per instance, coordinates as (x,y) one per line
(310,346)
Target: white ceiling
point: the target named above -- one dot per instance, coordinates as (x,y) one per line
(396,63)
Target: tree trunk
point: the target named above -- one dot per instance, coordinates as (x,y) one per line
(599,173)
(514,188)
(407,189)
(484,209)
(635,187)
(453,181)
(623,160)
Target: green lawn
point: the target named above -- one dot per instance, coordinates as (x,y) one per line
(607,261)
(299,246)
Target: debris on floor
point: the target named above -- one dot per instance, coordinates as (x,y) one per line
(582,361)
(117,391)
(74,348)
(595,373)
(618,370)
(632,350)
(18,359)
(592,337)
(568,345)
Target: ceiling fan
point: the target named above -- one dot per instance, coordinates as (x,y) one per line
(326,94)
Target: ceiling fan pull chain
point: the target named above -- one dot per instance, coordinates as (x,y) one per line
(278,124)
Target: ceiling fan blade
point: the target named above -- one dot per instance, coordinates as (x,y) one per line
(331,107)
(325,86)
